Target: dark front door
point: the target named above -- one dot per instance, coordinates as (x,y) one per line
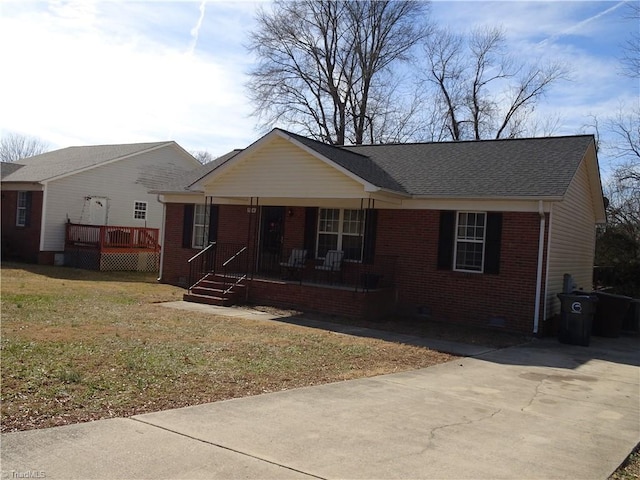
(271,235)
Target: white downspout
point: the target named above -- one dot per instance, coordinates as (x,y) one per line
(164,233)
(536,314)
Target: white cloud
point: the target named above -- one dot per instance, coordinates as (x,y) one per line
(82,72)
(79,77)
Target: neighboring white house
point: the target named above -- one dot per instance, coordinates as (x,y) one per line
(88,185)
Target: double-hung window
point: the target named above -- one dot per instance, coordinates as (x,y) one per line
(200,227)
(340,229)
(470,241)
(21,210)
(140,210)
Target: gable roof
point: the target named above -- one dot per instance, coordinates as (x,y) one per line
(523,168)
(358,163)
(68,160)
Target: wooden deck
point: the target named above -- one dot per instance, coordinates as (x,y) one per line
(112,238)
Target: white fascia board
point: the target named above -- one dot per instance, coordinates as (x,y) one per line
(478,204)
(186,197)
(22,186)
(108,162)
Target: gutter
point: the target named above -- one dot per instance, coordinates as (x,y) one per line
(536,314)
(164,234)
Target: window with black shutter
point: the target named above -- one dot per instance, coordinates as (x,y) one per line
(470,241)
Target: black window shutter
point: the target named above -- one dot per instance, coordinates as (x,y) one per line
(445,239)
(370,228)
(28,202)
(213,223)
(187,225)
(310,230)
(493,241)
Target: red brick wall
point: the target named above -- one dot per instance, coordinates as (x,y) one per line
(21,243)
(233,224)
(505,300)
(471,298)
(334,301)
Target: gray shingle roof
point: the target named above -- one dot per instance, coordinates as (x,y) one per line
(530,167)
(71,159)
(181,183)
(7,168)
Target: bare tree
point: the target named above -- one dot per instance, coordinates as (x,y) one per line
(14,147)
(631,50)
(325,67)
(482,91)
(618,243)
(202,156)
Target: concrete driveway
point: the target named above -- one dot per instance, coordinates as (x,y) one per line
(539,411)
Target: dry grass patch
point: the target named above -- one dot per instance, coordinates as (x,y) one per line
(80,345)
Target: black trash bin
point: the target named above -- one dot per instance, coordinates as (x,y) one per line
(576,317)
(610,314)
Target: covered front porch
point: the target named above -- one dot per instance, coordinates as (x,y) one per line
(284,224)
(287,260)
(112,247)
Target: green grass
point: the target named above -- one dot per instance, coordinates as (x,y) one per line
(80,345)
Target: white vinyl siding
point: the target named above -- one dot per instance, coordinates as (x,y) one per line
(571,240)
(281,168)
(68,198)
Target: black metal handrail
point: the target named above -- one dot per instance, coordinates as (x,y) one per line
(241,273)
(380,273)
(201,264)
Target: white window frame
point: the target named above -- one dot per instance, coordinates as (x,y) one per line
(465,239)
(200,240)
(140,211)
(341,233)
(21,209)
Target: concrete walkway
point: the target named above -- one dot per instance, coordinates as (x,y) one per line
(539,411)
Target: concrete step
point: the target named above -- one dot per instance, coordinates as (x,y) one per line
(208,299)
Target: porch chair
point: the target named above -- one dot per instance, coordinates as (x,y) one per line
(296,262)
(332,263)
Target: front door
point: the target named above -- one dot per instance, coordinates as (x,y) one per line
(271,236)
(97,211)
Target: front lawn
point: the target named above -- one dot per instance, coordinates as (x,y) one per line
(80,345)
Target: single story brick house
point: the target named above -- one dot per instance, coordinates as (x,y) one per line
(89,206)
(474,232)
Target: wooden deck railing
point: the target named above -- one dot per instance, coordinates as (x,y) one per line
(112,237)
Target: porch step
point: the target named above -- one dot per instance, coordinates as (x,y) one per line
(211,291)
(208,299)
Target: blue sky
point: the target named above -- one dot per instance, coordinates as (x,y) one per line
(82,72)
